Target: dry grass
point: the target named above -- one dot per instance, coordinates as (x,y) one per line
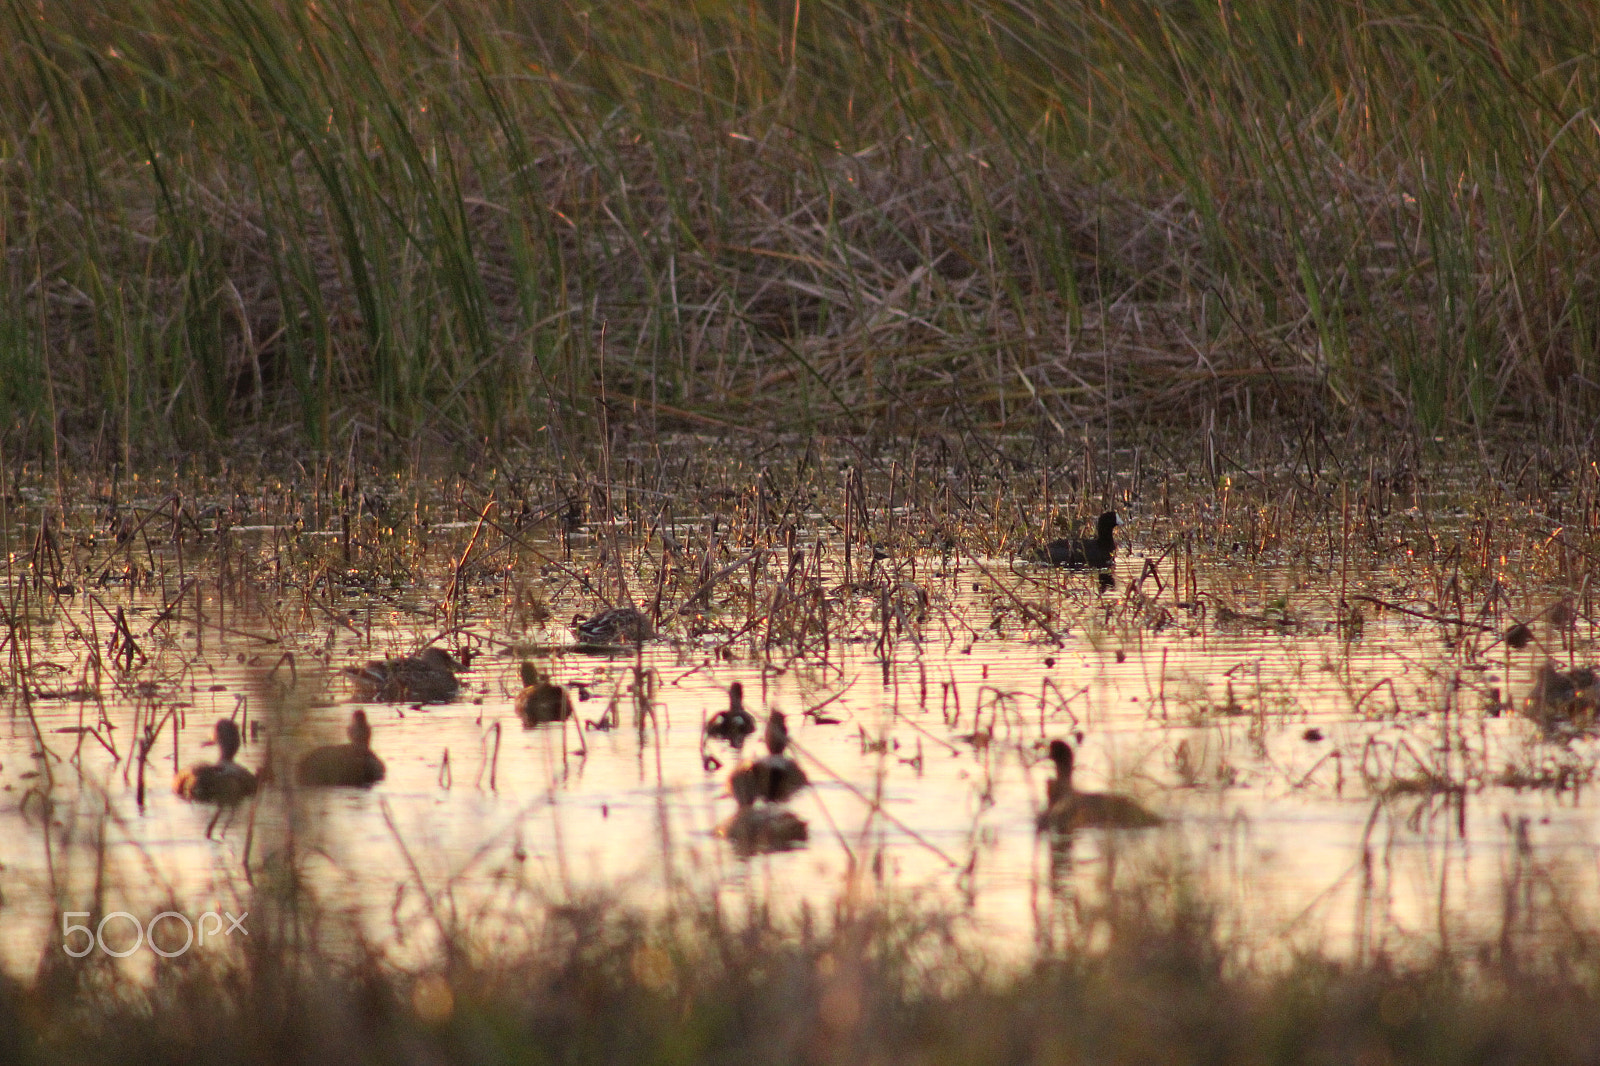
(600,983)
(477,221)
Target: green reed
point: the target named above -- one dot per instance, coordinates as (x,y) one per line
(420,216)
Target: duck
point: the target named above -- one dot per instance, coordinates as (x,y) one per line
(541,700)
(426,677)
(223,782)
(763,827)
(351,764)
(775,777)
(735,723)
(1564,697)
(614,625)
(1078,553)
(1068,809)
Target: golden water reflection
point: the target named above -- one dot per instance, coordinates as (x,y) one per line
(1292,764)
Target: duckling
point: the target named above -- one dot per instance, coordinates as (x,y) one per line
(614,625)
(541,700)
(775,777)
(1069,809)
(351,764)
(223,782)
(426,677)
(735,723)
(1077,553)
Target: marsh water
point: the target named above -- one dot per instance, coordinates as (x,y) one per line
(1314,693)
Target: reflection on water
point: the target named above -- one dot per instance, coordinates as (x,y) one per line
(1326,784)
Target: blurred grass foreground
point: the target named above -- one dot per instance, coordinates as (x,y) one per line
(230,220)
(1152,979)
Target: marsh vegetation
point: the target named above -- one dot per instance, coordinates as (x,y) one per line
(485,221)
(482,393)
(1318,680)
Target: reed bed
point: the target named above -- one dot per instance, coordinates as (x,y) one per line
(268,221)
(778,550)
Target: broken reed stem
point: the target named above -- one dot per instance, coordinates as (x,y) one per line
(452,597)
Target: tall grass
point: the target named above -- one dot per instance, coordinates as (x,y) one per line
(219,213)
(595,981)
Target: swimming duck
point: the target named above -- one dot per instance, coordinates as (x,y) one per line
(1078,553)
(351,764)
(775,777)
(426,677)
(735,723)
(1568,697)
(1068,809)
(223,782)
(614,625)
(762,827)
(541,700)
